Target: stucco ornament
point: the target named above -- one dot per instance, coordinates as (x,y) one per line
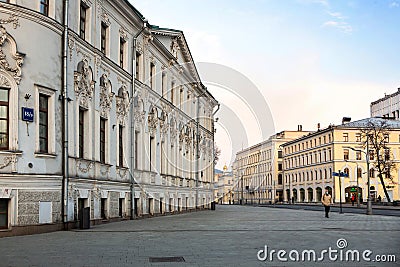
(152,120)
(139,113)
(123,105)
(84,85)
(10,60)
(106,96)
(175,47)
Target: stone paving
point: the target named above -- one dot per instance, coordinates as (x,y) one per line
(229,236)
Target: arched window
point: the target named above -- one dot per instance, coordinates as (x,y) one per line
(359,173)
(346,171)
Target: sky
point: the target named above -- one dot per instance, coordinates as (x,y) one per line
(314,61)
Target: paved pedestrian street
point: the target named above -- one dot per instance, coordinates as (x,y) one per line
(229,236)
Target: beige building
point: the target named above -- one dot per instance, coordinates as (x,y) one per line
(309,163)
(258,170)
(224,187)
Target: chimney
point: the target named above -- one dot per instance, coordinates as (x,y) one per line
(319,126)
(299,128)
(346,119)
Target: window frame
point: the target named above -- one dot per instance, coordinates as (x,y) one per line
(44,7)
(46,111)
(120,146)
(103,140)
(83,10)
(81,133)
(104,38)
(122,45)
(7,119)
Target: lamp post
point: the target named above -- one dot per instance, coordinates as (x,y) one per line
(369,204)
(340,174)
(241,200)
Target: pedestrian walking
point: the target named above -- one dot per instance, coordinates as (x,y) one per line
(353,198)
(326,201)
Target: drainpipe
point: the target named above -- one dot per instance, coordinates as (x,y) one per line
(65,98)
(132,139)
(213,148)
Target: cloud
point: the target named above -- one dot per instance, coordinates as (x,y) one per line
(324,3)
(341,25)
(394,4)
(336,15)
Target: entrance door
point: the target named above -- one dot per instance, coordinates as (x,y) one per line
(136,207)
(4,213)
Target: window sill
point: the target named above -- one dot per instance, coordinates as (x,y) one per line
(45,155)
(17,152)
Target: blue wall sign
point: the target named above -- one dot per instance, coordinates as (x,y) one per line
(28,114)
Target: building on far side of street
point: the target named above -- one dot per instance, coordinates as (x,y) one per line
(258,170)
(388,106)
(311,160)
(224,188)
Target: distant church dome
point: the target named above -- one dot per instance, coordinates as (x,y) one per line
(225,168)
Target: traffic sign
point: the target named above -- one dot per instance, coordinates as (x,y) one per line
(340,174)
(27,114)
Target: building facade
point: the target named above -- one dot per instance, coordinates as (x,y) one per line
(258,170)
(388,106)
(101,112)
(311,160)
(224,187)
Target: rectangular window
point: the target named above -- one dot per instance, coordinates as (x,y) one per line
(120,146)
(371,154)
(280,154)
(346,154)
(386,137)
(358,155)
(181,98)
(82,21)
(164,84)
(358,137)
(102,140)
(345,137)
(121,52)
(81,133)
(103,41)
(172,92)
(137,61)
(44,7)
(4,213)
(152,73)
(152,153)
(387,153)
(279,166)
(43,123)
(4,118)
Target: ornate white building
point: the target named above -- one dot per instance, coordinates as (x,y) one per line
(116,121)
(387,107)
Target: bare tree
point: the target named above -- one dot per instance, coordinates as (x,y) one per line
(217,153)
(376,132)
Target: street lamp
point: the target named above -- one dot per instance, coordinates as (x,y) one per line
(369,204)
